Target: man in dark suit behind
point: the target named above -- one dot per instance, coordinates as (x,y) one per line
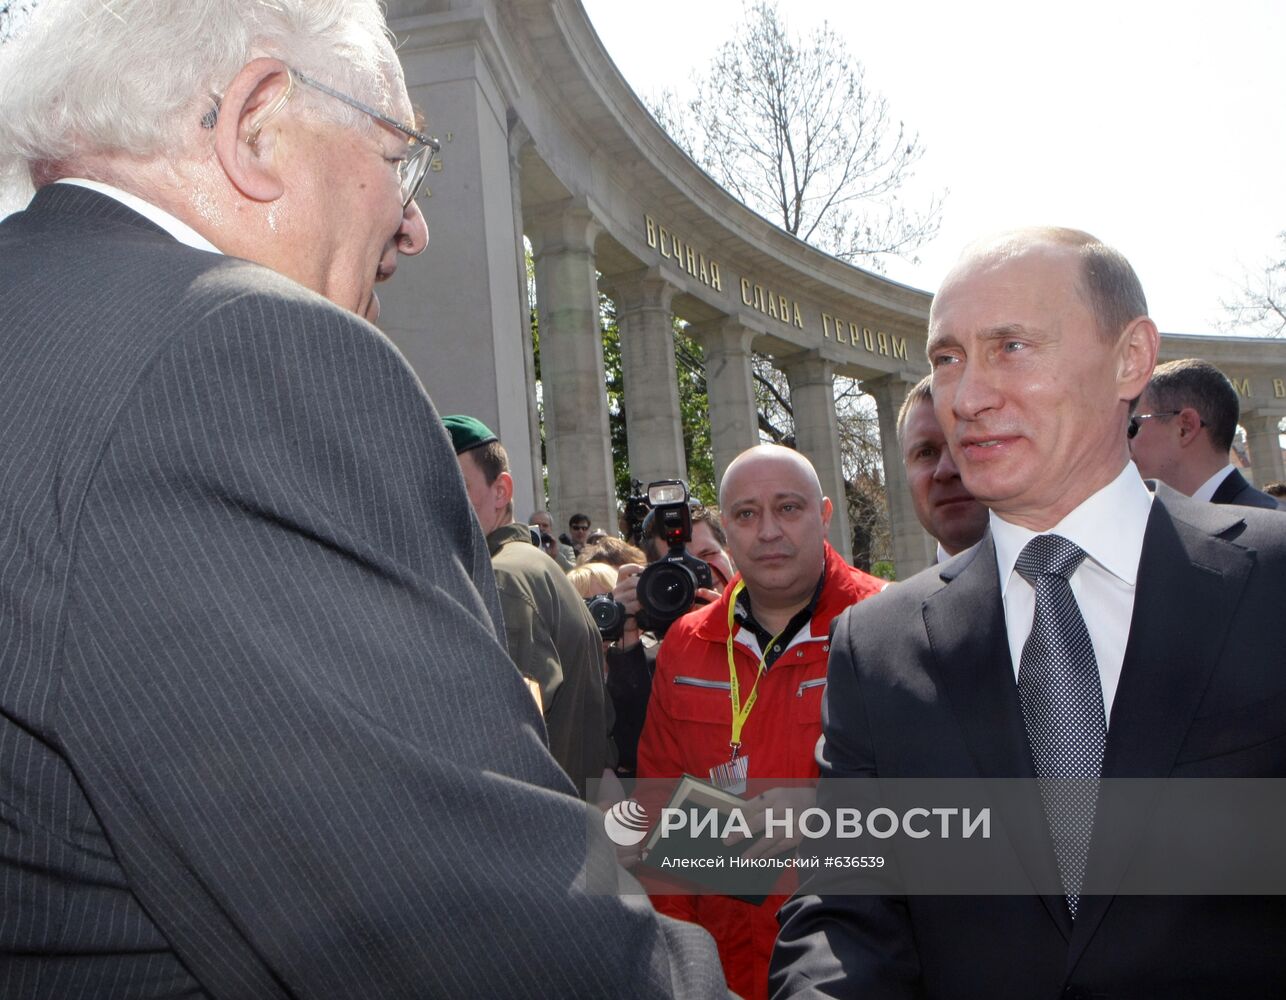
(1039,342)
(1182,433)
(259,736)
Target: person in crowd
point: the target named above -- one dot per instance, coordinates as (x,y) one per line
(738,685)
(614,551)
(1181,434)
(944,508)
(578,525)
(631,660)
(592,578)
(549,633)
(553,547)
(259,734)
(1099,631)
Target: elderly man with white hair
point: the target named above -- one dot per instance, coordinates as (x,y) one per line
(259,736)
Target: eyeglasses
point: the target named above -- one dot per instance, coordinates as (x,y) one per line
(410,171)
(1136,421)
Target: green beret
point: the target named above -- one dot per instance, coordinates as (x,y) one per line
(467,433)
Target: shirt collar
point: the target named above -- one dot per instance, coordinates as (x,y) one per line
(1206,490)
(1109,526)
(180,230)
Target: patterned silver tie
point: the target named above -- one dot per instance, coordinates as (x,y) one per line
(1062,703)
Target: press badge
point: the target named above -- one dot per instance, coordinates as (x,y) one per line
(731,777)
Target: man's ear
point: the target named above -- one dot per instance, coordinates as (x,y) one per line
(1136,357)
(503,490)
(827,510)
(1189,421)
(243,149)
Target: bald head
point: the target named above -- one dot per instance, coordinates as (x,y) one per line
(776,520)
(754,461)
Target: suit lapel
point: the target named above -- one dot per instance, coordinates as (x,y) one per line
(965,623)
(1189,583)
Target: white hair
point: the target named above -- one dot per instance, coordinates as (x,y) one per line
(95,77)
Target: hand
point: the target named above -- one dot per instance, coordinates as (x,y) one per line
(626,594)
(781,801)
(707,596)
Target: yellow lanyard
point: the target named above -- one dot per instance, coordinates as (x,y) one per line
(740,713)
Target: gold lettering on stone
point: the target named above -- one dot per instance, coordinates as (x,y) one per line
(826,327)
(852,334)
(883,338)
(745,292)
(674,247)
(868,339)
(899,347)
(1279,388)
(799,319)
(772,305)
(1242,385)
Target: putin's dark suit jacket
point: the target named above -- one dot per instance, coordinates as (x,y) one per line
(259,736)
(921,684)
(1235,490)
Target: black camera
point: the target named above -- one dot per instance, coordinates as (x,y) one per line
(667,589)
(608,615)
(637,507)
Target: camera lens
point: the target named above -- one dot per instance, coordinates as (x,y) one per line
(666,590)
(608,615)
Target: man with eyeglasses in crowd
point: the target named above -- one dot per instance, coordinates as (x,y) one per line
(259,736)
(1181,434)
(578,525)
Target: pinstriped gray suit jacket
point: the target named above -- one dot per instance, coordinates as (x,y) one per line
(258,736)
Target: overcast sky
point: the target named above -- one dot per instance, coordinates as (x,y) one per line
(1159,127)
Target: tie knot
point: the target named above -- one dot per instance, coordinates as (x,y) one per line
(1049,555)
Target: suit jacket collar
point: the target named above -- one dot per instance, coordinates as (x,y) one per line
(74,205)
(1227,491)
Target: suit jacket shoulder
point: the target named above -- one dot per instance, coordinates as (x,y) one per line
(1236,490)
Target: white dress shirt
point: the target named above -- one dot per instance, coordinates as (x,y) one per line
(1206,490)
(1109,526)
(180,230)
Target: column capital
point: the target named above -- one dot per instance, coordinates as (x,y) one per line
(564,226)
(646,288)
(1262,418)
(519,138)
(725,336)
(891,382)
(807,368)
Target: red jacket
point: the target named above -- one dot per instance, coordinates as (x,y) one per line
(689,725)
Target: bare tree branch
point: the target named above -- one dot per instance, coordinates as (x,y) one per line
(789,126)
(1261,306)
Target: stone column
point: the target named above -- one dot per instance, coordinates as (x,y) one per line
(812,397)
(913,547)
(734,420)
(653,425)
(577,444)
(455,311)
(520,138)
(1263,441)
